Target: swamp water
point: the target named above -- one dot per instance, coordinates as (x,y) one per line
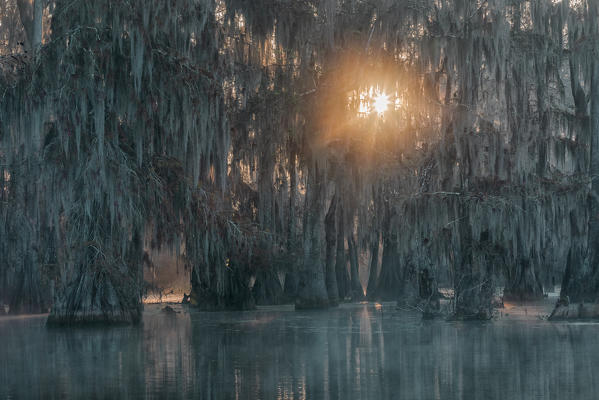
(357,351)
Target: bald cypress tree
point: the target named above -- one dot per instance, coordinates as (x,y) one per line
(226,129)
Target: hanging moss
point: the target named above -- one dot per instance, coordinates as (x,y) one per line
(229,126)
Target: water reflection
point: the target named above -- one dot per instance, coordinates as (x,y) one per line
(355,352)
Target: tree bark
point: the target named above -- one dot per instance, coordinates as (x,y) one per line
(102,293)
(267,288)
(290,285)
(373,273)
(26,15)
(330,234)
(291,278)
(524,284)
(29,295)
(592,292)
(340,258)
(230,291)
(357,291)
(391,281)
(312,292)
(38,13)
(473,286)
(31,14)
(99,297)
(579,297)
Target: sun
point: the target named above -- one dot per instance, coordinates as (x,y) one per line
(381,103)
(372,101)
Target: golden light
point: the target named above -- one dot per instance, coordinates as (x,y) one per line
(381,103)
(373,101)
(363,108)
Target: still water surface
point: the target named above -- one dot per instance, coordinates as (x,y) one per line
(357,351)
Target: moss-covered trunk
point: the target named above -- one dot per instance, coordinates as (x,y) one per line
(340,257)
(218,287)
(523,284)
(473,284)
(28,294)
(373,272)
(331,249)
(267,289)
(312,292)
(102,286)
(391,278)
(357,291)
(579,297)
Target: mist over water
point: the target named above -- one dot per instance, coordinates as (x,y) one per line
(354,352)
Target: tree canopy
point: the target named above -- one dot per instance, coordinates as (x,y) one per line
(452,140)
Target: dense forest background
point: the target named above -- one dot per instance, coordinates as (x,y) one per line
(279,148)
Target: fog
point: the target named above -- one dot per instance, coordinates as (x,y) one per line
(357,351)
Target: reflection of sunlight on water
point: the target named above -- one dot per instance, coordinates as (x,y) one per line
(365,328)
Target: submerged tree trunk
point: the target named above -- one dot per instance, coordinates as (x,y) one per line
(99,297)
(29,295)
(524,284)
(340,258)
(267,288)
(331,236)
(219,287)
(391,281)
(220,266)
(428,293)
(24,286)
(291,278)
(102,289)
(373,273)
(357,291)
(312,292)
(291,284)
(473,285)
(579,297)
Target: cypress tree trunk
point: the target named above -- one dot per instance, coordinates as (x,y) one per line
(38,11)
(340,258)
(312,292)
(391,281)
(291,284)
(31,15)
(218,287)
(28,294)
(357,291)
(579,297)
(98,296)
(105,287)
(291,278)
(373,273)
(267,288)
(473,286)
(24,286)
(331,236)
(523,284)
